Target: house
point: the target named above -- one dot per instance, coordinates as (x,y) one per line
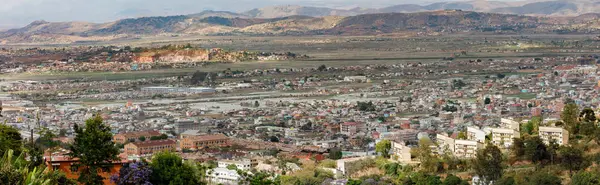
(123,138)
(509,124)
(70,166)
(191,133)
(144,148)
(560,135)
(466,148)
(204,141)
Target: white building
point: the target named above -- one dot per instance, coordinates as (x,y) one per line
(560,135)
(445,143)
(401,151)
(509,124)
(355,79)
(503,137)
(466,148)
(475,134)
(342,163)
(224,176)
(245,165)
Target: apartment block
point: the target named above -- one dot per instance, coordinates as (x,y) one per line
(560,135)
(509,124)
(503,137)
(445,143)
(401,151)
(475,134)
(466,148)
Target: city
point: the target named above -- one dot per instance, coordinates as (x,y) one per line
(450,104)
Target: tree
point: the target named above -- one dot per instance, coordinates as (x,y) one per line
(542,177)
(274,139)
(488,164)
(15,169)
(454,180)
(383,147)
(322,68)
(572,158)
(535,149)
(506,180)
(93,146)
(168,168)
(518,147)
(62,133)
(461,135)
(421,178)
(137,173)
(142,138)
(161,137)
(569,117)
(256,104)
(585,178)
(429,163)
(10,139)
(335,153)
(487,101)
(354,182)
(587,115)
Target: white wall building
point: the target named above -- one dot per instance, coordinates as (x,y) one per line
(554,133)
(224,176)
(509,124)
(245,165)
(503,137)
(401,151)
(466,148)
(445,143)
(475,134)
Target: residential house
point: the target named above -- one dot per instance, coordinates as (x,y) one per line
(560,135)
(466,148)
(503,137)
(123,138)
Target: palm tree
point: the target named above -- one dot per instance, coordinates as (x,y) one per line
(17,170)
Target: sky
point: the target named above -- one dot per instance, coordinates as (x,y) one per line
(18,13)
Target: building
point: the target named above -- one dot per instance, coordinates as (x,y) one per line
(349,128)
(204,141)
(445,143)
(503,137)
(242,165)
(178,90)
(509,124)
(191,133)
(356,79)
(182,125)
(145,148)
(466,148)
(69,166)
(223,176)
(134,136)
(475,134)
(401,152)
(343,163)
(560,135)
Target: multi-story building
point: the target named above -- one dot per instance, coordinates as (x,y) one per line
(150,147)
(72,168)
(560,135)
(475,134)
(503,137)
(134,136)
(401,151)
(409,135)
(242,165)
(509,124)
(349,128)
(223,176)
(445,143)
(191,133)
(183,125)
(204,141)
(466,148)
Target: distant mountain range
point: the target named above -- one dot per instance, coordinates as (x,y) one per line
(437,18)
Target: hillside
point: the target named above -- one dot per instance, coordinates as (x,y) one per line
(446,22)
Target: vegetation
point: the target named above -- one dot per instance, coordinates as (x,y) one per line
(169,168)
(383,148)
(94,148)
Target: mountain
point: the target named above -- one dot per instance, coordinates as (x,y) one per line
(285,11)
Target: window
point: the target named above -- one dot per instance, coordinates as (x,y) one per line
(74,168)
(105,169)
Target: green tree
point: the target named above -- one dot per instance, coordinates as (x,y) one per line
(506,180)
(569,117)
(461,135)
(572,158)
(518,147)
(94,148)
(488,164)
(587,115)
(142,138)
(535,149)
(542,177)
(429,163)
(585,178)
(169,168)
(335,153)
(322,68)
(15,169)
(10,139)
(421,178)
(384,147)
(354,182)
(487,101)
(454,180)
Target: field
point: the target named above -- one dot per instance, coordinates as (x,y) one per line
(351,50)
